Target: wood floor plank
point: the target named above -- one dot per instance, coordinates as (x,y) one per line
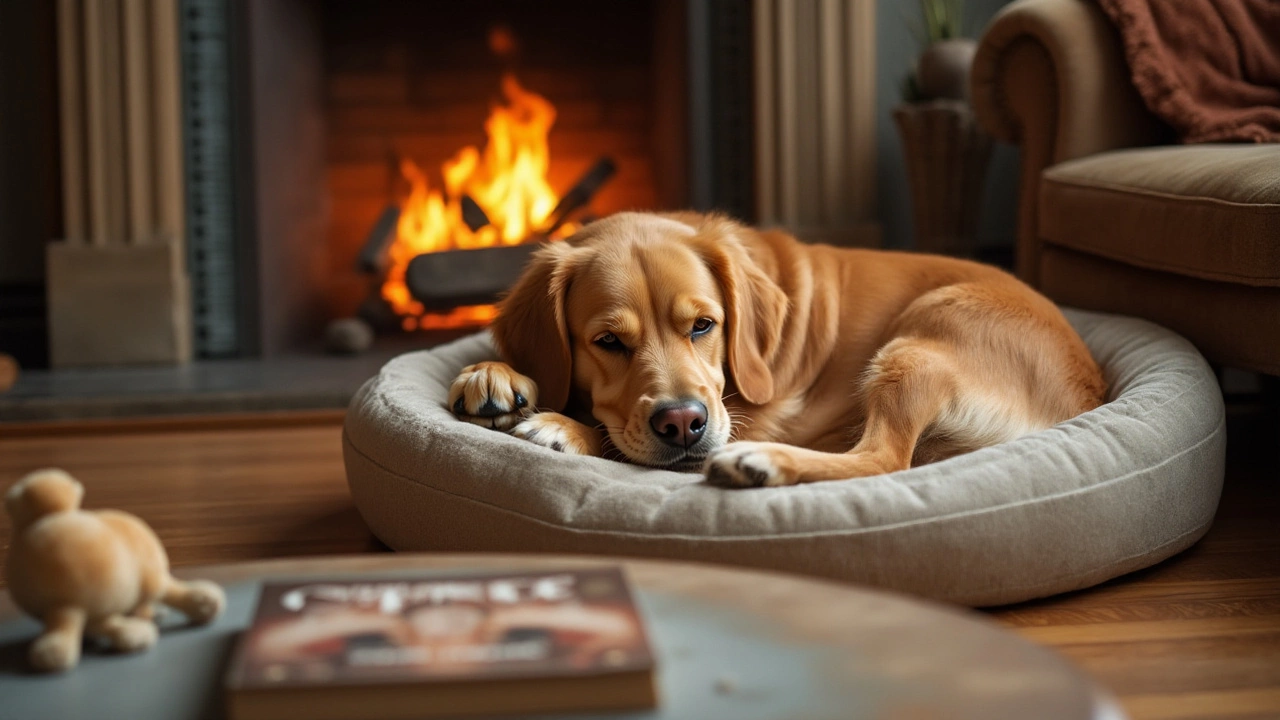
(1261,703)
(1207,664)
(1153,599)
(1144,630)
(177,423)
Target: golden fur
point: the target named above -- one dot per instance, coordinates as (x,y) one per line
(98,573)
(819,363)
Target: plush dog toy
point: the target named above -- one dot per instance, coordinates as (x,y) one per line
(98,573)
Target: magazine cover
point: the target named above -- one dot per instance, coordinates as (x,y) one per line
(556,624)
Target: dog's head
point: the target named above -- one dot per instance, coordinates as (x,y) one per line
(637,318)
(41,493)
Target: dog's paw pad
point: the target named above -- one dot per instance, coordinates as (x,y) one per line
(552,431)
(745,465)
(492,395)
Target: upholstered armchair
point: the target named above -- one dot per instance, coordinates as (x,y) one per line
(1113,215)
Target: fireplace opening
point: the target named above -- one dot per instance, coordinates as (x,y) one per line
(456,127)
(316,128)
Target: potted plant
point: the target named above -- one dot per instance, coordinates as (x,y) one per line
(945,150)
(942,70)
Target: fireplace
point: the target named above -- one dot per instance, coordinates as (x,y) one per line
(468,123)
(365,118)
(313,133)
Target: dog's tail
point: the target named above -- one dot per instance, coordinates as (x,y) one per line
(42,493)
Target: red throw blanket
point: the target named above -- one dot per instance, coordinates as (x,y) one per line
(1209,68)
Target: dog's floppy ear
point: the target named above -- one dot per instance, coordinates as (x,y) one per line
(755,308)
(531,331)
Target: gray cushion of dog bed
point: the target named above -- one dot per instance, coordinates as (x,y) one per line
(1111,491)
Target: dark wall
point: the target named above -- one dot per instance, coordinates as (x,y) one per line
(288,146)
(29,184)
(898,44)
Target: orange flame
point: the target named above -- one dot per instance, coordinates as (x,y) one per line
(508,181)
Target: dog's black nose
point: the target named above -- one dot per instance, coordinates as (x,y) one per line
(679,424)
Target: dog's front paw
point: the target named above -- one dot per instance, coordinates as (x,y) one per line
(749,464)
(492,395)
(560,433)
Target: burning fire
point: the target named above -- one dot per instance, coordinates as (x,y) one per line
(508,180)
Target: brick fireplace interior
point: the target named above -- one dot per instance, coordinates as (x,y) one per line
(344,92)
(415,81)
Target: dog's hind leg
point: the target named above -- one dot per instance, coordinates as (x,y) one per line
(58,648)
(908,385)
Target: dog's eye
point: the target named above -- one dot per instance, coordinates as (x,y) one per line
(701,326)
(610,342)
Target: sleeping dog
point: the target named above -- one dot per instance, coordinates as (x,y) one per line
(689,342)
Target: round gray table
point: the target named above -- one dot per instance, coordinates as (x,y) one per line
(730,644)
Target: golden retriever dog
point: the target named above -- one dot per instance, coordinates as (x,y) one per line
(688,341)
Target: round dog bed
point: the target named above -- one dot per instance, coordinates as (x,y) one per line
(1111,491)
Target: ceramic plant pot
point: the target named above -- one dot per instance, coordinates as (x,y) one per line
(942,73)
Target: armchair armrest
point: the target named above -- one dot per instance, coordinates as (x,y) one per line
(1050,76)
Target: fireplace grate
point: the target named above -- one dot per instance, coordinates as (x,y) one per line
(207,135)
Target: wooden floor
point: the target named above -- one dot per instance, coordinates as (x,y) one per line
(1195,637)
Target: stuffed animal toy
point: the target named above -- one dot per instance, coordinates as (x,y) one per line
(97,573)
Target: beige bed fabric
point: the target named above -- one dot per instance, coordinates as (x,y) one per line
(1109,492)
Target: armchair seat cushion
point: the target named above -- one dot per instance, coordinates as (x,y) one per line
(1205,211)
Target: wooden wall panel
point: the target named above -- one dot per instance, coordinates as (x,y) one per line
(116,282)
(138,121)
(71,96)
(166,78)
(119,71)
